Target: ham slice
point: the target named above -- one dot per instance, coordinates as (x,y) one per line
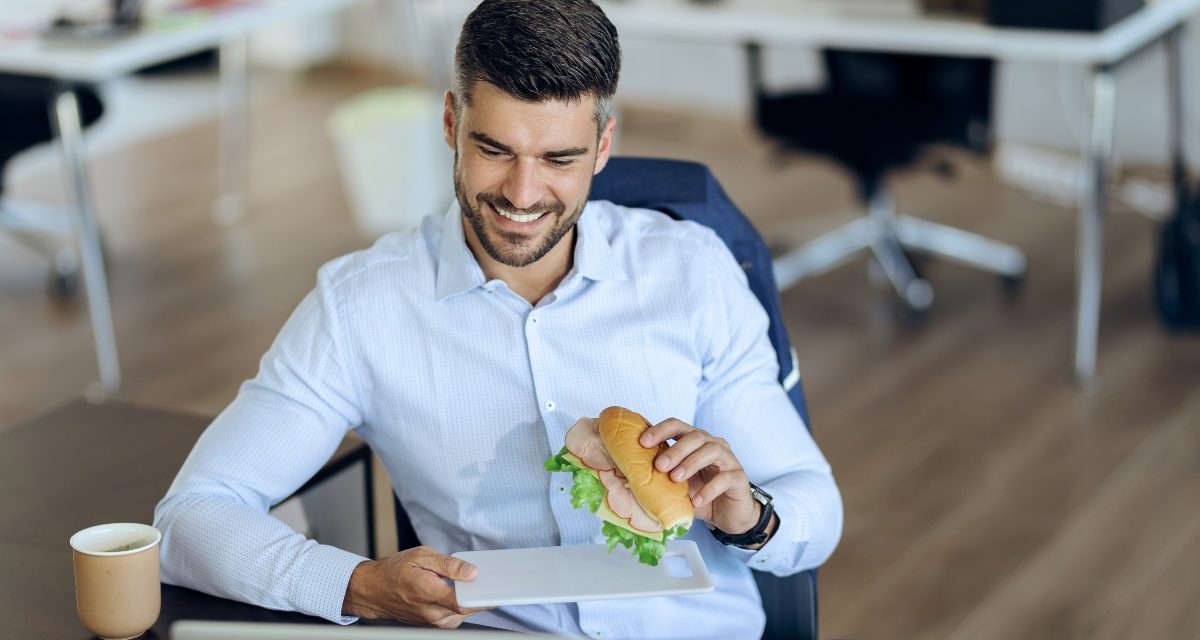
(620,498)
(642,521)
(621,501)
(583,440)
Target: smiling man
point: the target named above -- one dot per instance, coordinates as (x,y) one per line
(463,350)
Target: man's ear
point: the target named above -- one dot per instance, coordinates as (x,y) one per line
(604,149)
(448,122)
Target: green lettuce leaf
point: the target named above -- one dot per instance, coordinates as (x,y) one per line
(677,532)
(646,550)
(586,489)
(557,462)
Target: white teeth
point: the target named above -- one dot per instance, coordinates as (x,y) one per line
(528,217)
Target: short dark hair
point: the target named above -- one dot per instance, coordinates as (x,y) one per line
(539,50)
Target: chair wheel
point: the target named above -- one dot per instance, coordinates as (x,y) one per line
(918,296)
(63,286)
(1012,285)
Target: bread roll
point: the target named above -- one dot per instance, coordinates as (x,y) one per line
(663,498)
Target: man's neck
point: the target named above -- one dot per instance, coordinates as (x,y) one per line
(531,282)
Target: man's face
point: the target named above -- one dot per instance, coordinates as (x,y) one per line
(522,170)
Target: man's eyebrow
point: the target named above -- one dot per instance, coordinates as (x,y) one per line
(566,153)
(486,139)
(560,153)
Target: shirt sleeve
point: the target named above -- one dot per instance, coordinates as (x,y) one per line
(279,431)
(742,401)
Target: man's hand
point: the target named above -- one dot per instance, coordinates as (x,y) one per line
(411,587)
(719,487)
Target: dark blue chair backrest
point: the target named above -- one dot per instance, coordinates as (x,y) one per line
(689,191)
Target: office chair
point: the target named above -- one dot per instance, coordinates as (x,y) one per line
(877,113)
(688,191)
(25,122)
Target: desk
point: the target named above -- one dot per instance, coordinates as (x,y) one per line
(827,24)
(99,62)
(87,464)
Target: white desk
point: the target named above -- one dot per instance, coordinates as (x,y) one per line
(867,27)
(102,61)
(858,26)
(153,44)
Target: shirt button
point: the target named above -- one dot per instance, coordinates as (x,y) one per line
(550,405)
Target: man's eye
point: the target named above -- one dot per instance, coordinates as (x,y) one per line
(491,153)
(560,163)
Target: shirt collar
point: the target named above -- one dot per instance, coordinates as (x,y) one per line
(595,258)
(458,271)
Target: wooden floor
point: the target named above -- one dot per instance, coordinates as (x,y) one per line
(986,495)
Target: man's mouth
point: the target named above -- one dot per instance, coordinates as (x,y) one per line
(522,218)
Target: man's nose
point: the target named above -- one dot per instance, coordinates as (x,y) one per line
(522,187)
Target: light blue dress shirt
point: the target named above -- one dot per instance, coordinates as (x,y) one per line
(463,389)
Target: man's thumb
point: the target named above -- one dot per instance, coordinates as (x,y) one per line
(457,569)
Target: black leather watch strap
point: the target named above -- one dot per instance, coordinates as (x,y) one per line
(756,534)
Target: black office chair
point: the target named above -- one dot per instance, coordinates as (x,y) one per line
(25,122)
(877,113)
(686,190)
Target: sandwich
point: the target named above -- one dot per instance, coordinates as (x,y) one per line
(615,478)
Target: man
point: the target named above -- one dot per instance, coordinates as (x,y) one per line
(463,350)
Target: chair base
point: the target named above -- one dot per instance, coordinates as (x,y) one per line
(47,231)
(887,235)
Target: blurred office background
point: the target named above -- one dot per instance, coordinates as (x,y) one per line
(989,494)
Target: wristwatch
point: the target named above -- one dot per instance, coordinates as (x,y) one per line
(758,533)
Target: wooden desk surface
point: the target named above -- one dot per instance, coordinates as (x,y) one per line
(85,464)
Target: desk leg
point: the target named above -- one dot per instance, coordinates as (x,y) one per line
(1175,121)
(233,165)
(1090,241)
(65,116)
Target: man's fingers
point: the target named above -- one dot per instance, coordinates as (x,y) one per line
(452,621)
(718,486)
(439,616)
(666,430)
(468,611)
(711,454)
(683,447)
